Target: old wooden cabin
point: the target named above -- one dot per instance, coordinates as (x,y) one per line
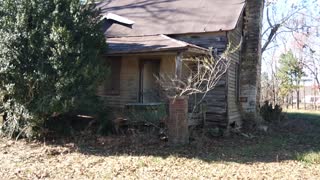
(153,37)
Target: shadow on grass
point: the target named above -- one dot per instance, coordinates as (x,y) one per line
(293,139)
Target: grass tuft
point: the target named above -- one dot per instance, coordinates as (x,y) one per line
(310,157)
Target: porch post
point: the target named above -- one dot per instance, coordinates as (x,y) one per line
(178,71)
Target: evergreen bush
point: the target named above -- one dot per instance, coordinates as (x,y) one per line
(50,60)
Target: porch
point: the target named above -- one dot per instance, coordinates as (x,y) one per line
(136,61)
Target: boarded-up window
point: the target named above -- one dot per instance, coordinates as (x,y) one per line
(112,83)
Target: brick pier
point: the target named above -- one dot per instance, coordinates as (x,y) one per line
(178,121)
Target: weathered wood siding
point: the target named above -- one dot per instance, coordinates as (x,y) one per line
(234,40)
(216,100)
(217,40)
(129,86)
(217,105)
(167,65)
(129,78)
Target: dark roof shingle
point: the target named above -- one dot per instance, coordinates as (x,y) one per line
(153,17)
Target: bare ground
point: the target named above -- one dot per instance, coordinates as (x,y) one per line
(278,154)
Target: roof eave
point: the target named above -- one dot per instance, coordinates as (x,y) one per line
(187,49)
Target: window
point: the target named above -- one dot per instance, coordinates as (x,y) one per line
(112,83)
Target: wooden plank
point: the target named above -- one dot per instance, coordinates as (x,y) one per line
(234,37)
(178,70)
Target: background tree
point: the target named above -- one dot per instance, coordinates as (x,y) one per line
(50,59)
(266,88)
(291,25)
(311,61)
(290,75)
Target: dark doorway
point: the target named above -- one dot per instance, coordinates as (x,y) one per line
(149,91)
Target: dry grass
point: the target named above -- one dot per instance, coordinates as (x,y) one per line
(21,160)
(310,157)
(286,152)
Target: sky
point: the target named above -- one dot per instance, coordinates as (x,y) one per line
(287,40)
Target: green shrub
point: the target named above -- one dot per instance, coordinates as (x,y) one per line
(105,125)
(150,115)
(270,113)
(50,60)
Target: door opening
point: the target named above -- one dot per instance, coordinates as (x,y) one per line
(149,89)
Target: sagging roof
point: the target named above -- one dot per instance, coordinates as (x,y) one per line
(173,16)
(149,44)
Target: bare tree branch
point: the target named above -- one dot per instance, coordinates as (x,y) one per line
(203,75)
(276,26)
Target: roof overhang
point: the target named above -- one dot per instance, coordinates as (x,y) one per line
(150,44)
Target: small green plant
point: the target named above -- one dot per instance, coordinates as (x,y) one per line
(105,124)
(142,164)
(215,132)
(156,160)
(310,157)
(150,115)
(270,113)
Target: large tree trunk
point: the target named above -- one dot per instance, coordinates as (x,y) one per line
(251,62)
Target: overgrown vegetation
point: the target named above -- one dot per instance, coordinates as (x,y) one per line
(150,115)
(271,113)
(309,157)
(137,119)
(289,151)
(50,61)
